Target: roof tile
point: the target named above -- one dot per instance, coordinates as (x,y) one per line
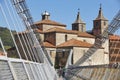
(80,34)
(50,22)
(47,44)
(75,43)
(114,37)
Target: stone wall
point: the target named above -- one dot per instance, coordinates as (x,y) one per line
(50,37)
(88,40)
(96,59)
(70,36)
(60,38)
(52,53)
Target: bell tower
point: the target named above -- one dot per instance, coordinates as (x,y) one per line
(79,25)
(100,23)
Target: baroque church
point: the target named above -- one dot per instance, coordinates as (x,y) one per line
(58,41)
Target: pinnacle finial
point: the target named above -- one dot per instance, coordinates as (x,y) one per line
(78,11)
(100,14)
(100,6)
(78,19)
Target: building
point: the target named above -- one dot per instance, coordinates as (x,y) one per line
(114,47)
(58,41)
(56,37)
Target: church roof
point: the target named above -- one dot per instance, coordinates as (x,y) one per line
(60,30)
(85,34)
(47,44)
(114,37)
(50,22)
(39,31)
(75,43)
(100,15)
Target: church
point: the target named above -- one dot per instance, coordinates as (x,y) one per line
(58,41)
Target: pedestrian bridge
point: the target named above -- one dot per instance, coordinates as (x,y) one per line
(37,65)
(18,69)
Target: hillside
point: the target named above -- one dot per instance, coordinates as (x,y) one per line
(6,37)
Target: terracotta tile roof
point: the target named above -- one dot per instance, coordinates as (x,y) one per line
(39,31)
(75,43)
(50,22)
(114,37)
(84,34)
(47,44)
(61,30)
(80,34)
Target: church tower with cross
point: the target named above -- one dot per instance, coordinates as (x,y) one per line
(79,25)
(100,23)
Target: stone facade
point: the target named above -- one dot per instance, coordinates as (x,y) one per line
(58,41)
(57,35)
(97,58)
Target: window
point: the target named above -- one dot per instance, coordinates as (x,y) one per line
(96,24)
(63,54)
(84,40)
(104,23)
(82,28)
(66,37)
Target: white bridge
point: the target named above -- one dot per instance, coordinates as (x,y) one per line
(37,64)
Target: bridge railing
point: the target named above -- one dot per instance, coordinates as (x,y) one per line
(19,69)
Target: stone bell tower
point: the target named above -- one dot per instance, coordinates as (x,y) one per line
(79,25)
(100,23)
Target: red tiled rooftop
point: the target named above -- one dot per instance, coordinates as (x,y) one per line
(114,37)
(50,22)
(75,43)
(84,34)
(80,34)
(39,31)
(47,44)
(60,30)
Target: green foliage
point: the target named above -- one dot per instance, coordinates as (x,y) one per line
(6,37)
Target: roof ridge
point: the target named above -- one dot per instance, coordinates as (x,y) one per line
(52,22)
(74,42)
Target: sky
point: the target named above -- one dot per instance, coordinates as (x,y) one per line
(65,11)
